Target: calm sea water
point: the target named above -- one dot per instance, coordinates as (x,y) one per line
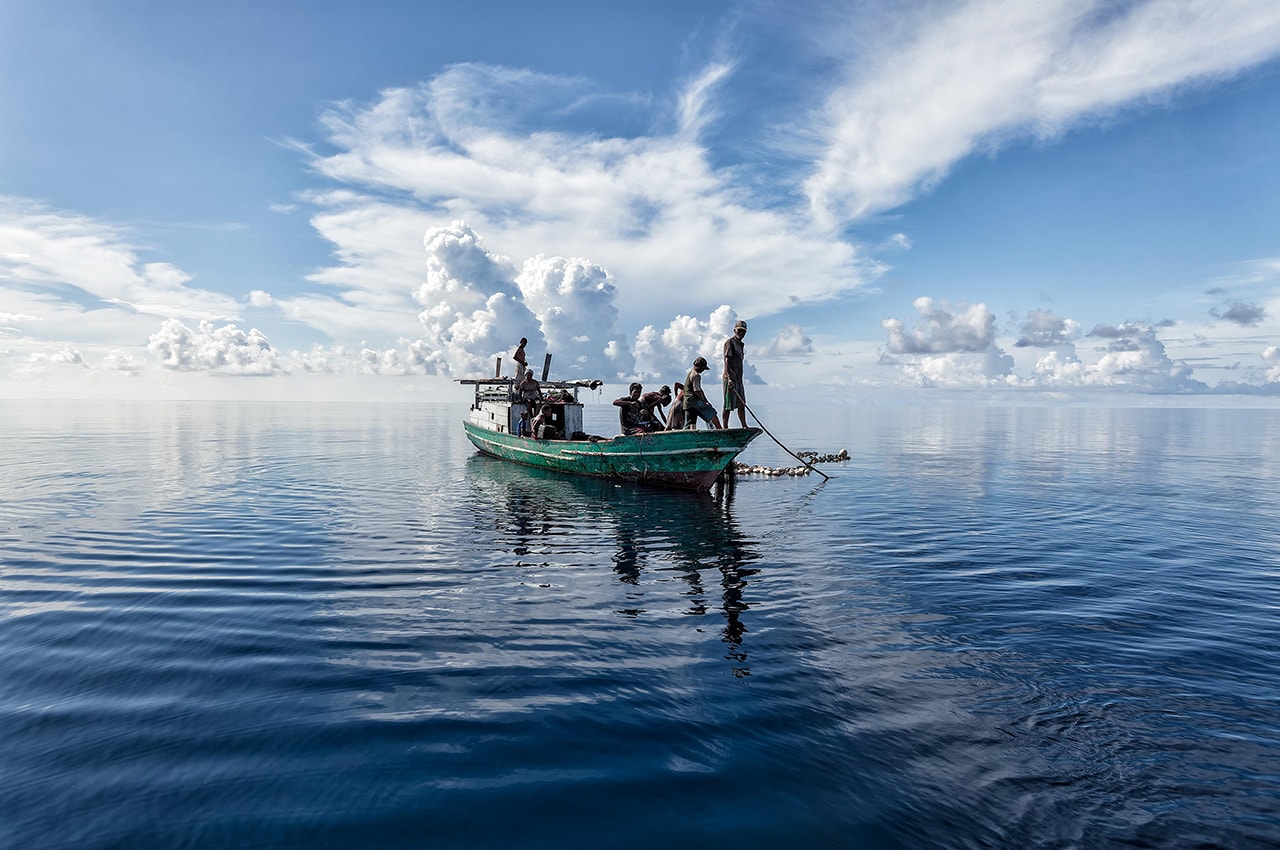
(338,626)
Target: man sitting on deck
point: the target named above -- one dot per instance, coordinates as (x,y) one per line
(629,410)
(542,427)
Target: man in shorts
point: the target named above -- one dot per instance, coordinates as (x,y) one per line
(695,400)
(735,392)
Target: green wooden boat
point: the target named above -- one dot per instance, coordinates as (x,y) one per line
(690,460)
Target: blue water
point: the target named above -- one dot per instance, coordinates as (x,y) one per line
(337,626)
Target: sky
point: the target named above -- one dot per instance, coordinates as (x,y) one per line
(321,200)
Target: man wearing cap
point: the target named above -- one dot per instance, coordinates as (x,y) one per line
(695,400)
(735,392)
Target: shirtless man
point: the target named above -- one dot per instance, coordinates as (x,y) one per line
(522,364)
(651,404)
(629,411)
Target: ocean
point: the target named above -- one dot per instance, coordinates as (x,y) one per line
(338,626)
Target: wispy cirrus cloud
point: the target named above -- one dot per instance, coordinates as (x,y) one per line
(68,259)
(950,80)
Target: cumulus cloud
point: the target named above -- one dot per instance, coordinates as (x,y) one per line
(260,299)
(944,328)
(66,356)
(672,350)
(953,345)
(1135,357)
(1131,357)
(1043,329)
(1241,313)
(573,301)
(1271,356)
(225,349)
(472,310)
(122,362)
(944,81)
(791,341)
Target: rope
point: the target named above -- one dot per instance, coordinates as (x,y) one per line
(743,402)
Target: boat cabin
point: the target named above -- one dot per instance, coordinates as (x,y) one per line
(497,408)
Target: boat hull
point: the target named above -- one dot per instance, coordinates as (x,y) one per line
(689,460)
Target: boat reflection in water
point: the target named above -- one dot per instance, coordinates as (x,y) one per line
(647,536)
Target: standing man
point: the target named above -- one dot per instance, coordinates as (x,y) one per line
(529,391)
(735,392)
(522,364)
(695,400)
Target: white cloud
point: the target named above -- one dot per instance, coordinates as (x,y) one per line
(472,311)
(66,356)
(485,144)
(1135,358)
(946,328)
(1271,356)
(790,341)
(673,349)
(1043,329)
(226,349)
(123,363)
(573,301)
(955,346)
(260,299)
(369,294)
(72,264)
(949,80)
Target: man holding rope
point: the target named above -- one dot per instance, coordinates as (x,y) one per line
(735,393)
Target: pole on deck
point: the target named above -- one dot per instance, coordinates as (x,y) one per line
(546,366)
(497,369)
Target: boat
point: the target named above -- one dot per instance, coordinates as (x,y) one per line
(685,459)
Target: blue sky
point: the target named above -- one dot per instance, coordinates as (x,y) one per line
(320,199)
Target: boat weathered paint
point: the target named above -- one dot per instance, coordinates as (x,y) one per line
(690,460)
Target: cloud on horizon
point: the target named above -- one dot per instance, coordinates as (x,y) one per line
(955,346)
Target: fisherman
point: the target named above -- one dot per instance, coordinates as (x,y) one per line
(675,421)
(543,428)
(651,405)
(522,364)
(735,393)
(695,400)
(528,391)
(524,426)
(629,411)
